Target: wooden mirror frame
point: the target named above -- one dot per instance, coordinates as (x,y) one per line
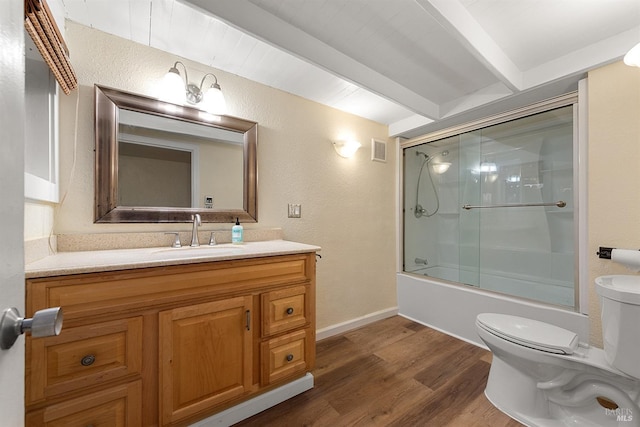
(108,101)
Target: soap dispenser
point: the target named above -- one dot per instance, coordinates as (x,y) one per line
(237,232)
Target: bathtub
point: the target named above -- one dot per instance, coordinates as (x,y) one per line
(452,308)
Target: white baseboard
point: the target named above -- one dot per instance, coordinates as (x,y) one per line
(258,404)
(355,323)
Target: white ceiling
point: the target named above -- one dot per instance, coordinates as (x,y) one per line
(411,64)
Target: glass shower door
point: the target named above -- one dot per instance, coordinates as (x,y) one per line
(500,216)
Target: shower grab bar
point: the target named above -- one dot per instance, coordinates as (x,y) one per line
(560,204)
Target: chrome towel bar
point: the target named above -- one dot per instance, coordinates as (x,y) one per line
(560,204)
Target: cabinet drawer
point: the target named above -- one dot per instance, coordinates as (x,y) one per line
(284,356)
(118,407)
(82,357)
(284,310)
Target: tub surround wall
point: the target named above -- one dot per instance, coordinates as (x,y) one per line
(614,173)
(347,204)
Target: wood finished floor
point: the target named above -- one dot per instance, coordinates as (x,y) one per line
(393,372)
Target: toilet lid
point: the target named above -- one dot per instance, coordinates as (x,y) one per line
(529,333)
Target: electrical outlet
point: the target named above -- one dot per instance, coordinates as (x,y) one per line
(295,210)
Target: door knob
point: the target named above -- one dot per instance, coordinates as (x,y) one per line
(44,323)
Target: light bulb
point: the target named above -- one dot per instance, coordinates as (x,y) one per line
(173,89)
(213,101)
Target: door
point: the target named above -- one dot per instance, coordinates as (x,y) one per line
(12,206)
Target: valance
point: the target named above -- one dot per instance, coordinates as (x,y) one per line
(42,28)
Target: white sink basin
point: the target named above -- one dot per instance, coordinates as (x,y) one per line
(196,252)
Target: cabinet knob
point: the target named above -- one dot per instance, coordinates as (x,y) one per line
(88,360)
(290,310)
(289,357)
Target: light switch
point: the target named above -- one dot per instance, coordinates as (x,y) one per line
(295,210)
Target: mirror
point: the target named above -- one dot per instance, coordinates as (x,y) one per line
(161,162)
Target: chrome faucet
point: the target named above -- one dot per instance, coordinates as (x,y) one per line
(194,231)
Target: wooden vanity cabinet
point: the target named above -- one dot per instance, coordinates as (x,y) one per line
(169,345)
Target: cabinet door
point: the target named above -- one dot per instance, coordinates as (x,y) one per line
(205,356)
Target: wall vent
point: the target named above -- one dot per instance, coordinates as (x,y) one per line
(378,150)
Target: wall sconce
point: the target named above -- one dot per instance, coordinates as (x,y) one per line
(488,167)
(346,148)
(632,58)
(441,167)
(177,90)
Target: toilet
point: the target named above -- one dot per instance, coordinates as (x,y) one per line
(541,375)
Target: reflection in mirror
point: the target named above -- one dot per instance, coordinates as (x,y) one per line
(178,164)
(155,166)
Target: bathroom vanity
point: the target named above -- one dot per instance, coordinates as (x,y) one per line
(154,337)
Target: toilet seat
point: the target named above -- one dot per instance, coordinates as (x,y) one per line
(529,333)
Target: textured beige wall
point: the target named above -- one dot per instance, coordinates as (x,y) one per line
(348,205)
(614,172)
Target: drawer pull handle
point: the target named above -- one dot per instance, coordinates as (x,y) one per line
(289,357)
(88,360)
(290,310)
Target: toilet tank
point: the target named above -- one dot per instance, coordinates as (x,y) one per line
(620,304)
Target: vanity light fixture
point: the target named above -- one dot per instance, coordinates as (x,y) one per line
(632,58)
(177,90)
(346,148)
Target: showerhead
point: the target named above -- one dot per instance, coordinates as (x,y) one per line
(426,156)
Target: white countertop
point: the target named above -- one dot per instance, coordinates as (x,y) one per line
(64,263)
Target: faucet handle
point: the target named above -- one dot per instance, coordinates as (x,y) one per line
(212,239)
(176,240)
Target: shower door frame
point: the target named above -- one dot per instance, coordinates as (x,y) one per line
(577,99)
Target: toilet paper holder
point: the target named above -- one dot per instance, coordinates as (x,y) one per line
(629,258)
(44,323)
(604,252)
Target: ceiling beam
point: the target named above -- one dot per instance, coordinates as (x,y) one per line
(457,20)
(254,20)
(582,60)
